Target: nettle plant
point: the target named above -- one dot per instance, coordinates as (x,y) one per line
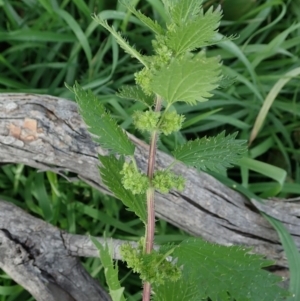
(178,70)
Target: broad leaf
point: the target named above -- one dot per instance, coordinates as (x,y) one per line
(187,79)
(117,295)
(110,270)
(153,25)
(196,33)
(110,173)
(107,133)
(183,11)
(121,41)
(220,273)
(181,290)
(289,246)
(136,93)
(214,153)
(167,6)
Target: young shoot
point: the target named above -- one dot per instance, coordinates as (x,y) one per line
(179,70)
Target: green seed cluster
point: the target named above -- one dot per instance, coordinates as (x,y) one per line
(146,121)
(133,180)
(171,122)
(149,121)
(164,180)
(143,79)
(156,62)
(153,267)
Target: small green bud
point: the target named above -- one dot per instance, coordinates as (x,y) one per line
(179,183)
(163,54)
(146,121)
(171,122)
(132,256)
(143,79)
(153,267)
(164,180)
(156,269)
(133,180)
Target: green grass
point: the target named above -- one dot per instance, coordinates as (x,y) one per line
(48,43)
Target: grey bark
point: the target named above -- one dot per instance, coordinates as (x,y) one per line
(48,134)
(34,254)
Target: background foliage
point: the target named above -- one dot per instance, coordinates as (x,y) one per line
(47,43)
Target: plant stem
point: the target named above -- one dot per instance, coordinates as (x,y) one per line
(150,221)
(150,227)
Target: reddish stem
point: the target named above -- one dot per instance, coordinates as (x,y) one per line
(150,202)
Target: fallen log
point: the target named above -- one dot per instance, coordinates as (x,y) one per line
(35,255)
(47,133)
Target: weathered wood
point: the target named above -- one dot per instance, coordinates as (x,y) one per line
(35,255)
(48,134)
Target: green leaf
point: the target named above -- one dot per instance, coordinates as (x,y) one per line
(76,28)
(185,80)
(110,173)
(110,270)
(195,32)
(292,254)
(269,100)
(121,41)
(276,173)
(11,291)
(117,295)
(153,25)
(181,290)
(107,133)
(40,192)
(220,273)
(214,153)
(184,11)
(136,93)
(290,248)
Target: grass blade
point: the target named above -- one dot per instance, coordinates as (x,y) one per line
(78,32)
(269,101)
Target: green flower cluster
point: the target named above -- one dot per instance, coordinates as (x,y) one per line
(143,79)
(171,122)
(150,121)
(133,180)
(153,267)
(156,62)
(146,121)
(163,53)
(164,180)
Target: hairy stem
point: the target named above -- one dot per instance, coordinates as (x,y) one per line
(150,201)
